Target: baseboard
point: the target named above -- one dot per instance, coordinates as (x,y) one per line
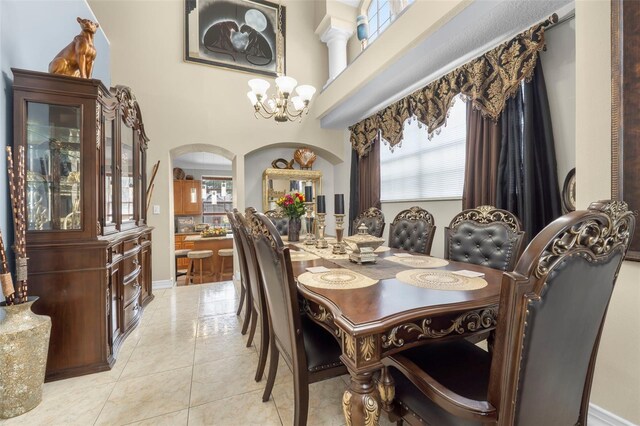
(598,416)
(157,285)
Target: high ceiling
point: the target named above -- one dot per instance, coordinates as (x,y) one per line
(202,161)
(479,27)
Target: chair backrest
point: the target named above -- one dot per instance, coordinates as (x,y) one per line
(242,256)
(255,280)
(373,218)
(280,290)
(280,221)
(552,309)
(484,236)
(412,230)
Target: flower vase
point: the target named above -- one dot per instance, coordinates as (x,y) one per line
(293,233)
(24,344)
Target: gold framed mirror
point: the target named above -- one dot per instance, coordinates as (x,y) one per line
(277,182)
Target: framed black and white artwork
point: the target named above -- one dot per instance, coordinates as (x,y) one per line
(234,34)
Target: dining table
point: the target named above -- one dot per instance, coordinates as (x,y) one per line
(401,301)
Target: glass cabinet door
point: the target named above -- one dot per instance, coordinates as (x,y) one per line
(109,215)
(53,163)
(142,183)
(127,190)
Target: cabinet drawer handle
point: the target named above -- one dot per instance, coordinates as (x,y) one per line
(135,261)
(136,307)
(136,285)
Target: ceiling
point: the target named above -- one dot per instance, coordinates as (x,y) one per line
(202,161)
(479,27)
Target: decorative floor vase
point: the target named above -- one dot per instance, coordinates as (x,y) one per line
(294,229)
(24,343)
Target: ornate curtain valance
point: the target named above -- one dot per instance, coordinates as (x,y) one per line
(487,81)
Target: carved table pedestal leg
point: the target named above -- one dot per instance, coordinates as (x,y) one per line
(361,402)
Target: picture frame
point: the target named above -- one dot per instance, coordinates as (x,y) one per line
(238,35)
(625,110)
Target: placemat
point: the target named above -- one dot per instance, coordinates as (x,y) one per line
(419,261)
(439,280)
(336,279)
(302,256)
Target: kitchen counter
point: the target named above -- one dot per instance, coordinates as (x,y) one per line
(187,233)
(197,237)
(212,270)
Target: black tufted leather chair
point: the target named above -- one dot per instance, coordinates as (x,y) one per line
(485,236)
(311,352)
(552,310)
(374,219)
(280,221)
(412,230)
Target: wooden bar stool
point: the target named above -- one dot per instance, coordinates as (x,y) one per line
(200,255)
(180,254)
(224,253)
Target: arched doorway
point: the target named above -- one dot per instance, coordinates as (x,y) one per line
(202,191)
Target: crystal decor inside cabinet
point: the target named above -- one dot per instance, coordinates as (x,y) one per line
(127,189)
(54,158)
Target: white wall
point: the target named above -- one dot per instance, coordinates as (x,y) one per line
(616,385)
(559,64)
(185,103)
(31,35)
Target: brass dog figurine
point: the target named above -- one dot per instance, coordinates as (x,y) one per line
(77,58)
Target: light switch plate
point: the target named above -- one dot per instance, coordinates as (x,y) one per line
(156,209)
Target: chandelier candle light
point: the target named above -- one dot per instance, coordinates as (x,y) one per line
(282,106)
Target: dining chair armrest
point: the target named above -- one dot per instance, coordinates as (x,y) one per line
(444,397)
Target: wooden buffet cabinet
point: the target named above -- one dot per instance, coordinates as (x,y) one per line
(88,243)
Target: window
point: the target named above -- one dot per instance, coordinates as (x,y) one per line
(422,169)
(217,199)
(381,13)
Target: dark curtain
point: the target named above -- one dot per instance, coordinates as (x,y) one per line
(527,171)
(354,207)
(482,156)
(365,183)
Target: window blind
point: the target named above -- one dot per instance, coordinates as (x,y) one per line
(423,169)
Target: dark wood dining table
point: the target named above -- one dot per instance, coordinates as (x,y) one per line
(374,322)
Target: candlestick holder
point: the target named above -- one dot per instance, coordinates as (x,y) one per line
(321,243)
(340,246)
(311,235)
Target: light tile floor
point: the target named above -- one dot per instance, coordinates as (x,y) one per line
(185,363)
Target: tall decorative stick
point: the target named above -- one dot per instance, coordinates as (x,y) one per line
(154,171)
(22,260)
(16,188)
(5,276)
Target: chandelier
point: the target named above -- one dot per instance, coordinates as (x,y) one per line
(281,106)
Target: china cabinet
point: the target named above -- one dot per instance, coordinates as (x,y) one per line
(88,243)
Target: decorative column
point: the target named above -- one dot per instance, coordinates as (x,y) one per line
(335,33)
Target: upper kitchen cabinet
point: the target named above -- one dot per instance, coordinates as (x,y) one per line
(187,197)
